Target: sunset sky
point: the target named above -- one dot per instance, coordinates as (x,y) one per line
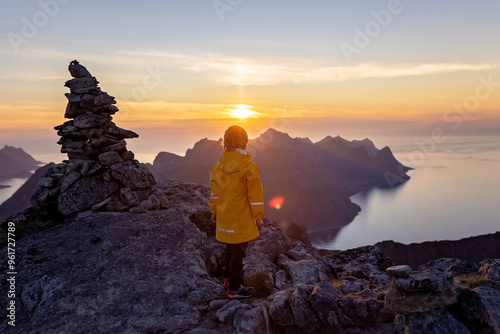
(307,67)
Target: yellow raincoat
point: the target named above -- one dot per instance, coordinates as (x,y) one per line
(236,197)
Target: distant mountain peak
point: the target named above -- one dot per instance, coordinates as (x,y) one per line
(204,145)
(329,138)
(16,163)
(15,150)
(385,154)
(274,132)
(340,145)
(275,138)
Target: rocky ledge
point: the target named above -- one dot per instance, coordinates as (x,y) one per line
(160,272)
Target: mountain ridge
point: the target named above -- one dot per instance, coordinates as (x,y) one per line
(321,175)
(475,248)
(16,163)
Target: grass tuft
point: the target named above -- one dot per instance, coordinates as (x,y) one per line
(262,281)
(336,283)
(473,280)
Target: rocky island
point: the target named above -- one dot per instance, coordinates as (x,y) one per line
(117,264)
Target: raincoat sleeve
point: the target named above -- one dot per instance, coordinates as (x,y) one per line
(214,192)
(255,192)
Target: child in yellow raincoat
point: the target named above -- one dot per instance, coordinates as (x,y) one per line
(237,206)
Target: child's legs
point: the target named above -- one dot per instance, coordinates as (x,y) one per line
(234,264)
(227,260)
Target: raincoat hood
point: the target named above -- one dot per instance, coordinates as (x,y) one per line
(234,161)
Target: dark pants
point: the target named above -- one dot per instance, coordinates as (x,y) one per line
(233,264)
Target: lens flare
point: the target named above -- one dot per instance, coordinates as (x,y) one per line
(276,202)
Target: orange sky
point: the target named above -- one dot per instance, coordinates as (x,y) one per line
(178,69)
(420,99)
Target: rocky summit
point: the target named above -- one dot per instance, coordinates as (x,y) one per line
(161,272)
(100,173)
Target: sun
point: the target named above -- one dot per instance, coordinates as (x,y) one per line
(242,111)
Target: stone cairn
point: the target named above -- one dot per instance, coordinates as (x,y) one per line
(100,173)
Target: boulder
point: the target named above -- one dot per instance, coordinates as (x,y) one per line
(87,101)
(110,158)
(132,198)
(422,291)
(103,99)
(69,179)
(324,300)
(350,284)
(133,176)
(404,302)
(463,267)
(262,254)
(89,121)
(490,294)
(473,310)
(359,310)
(284,261)
(73,98)
(46,182)
(117,146)
(280,311)
(72,110)
(434,322)
(307,272)
(491,269)
(302,311)
(85,193)
(227,312)
(401,271)
(442,264)
(366,260)
(281,280)
(107,109)
(41,198)
(250,321)
(82,85)
(119,133)
(425,282)
(300,251)
(127,155)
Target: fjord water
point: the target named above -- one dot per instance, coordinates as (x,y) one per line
(453,193)
(14,185)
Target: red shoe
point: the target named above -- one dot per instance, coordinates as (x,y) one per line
(226,282)
(241,292)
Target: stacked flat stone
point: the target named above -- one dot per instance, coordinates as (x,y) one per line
(100,173)
(423,291)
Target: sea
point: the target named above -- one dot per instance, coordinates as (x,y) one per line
(453,193)
(13,186)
